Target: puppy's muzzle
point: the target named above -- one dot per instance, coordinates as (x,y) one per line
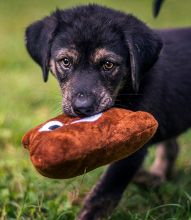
(84,104)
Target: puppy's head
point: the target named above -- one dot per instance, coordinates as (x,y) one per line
(92,51)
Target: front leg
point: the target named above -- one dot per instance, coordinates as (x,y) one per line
(107,193)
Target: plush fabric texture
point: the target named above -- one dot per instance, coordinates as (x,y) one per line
(65,147)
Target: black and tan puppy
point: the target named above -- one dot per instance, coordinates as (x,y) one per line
(101,58)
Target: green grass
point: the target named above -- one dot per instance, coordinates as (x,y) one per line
(25,102)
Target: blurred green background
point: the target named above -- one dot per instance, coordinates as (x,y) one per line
(25,101)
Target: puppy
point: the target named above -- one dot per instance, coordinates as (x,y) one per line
(103,58)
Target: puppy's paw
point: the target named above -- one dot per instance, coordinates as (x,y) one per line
(86,214)
(93,213)
(98,208)
(147,179)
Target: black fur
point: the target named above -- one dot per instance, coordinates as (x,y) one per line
(39,38)
(154,74)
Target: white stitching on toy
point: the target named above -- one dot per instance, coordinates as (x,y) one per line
(88,119)
(47,126)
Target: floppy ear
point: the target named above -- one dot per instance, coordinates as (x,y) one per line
(144,47)
(39,36)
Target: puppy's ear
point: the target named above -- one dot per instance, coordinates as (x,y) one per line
(39,36)
(144,48)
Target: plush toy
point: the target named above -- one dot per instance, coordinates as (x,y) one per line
(65,147)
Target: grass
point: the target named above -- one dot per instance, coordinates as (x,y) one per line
(25,102)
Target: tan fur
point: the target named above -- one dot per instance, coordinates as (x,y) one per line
(102,53)
(68,52)
(52,67)
(66,89)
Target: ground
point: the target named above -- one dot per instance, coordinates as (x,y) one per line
(25,101)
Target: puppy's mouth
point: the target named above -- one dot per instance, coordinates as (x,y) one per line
(101,106)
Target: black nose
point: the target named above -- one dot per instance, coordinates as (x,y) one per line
(83,104)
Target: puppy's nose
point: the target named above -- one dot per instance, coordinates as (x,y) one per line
(83,104)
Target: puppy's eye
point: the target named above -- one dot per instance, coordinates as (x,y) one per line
(65,62)
(108,65)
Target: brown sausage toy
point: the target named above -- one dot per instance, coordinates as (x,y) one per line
(65,147)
